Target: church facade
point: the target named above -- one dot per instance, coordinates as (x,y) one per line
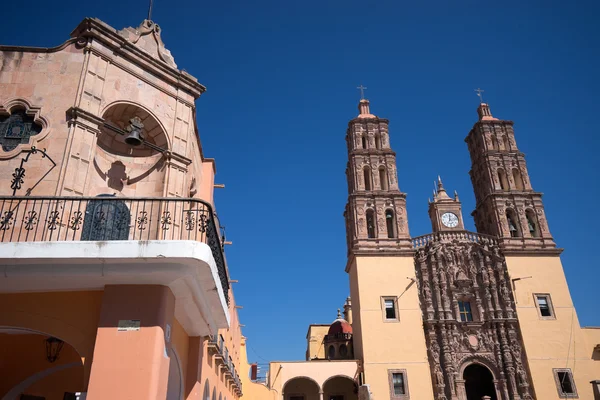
(457,314)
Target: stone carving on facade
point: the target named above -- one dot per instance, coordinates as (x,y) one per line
(462,270)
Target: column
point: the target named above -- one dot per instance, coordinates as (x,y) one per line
(320,395)
(130,358)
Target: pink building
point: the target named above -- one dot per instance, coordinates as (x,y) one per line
(114,283)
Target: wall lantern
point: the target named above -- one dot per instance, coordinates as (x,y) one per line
(53,348)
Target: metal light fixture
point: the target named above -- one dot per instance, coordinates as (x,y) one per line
(53,348)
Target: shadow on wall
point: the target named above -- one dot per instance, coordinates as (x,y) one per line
(28,366)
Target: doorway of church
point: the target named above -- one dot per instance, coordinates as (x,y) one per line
(479,382)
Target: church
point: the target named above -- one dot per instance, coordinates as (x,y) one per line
(116,284)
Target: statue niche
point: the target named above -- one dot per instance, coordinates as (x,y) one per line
(469,320)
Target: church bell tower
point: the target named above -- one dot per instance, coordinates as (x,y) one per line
(506,204)
(376,209)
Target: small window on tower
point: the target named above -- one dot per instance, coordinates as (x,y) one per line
(377,141)
(565,383)
(513,227)
(364,142)
(389,309)
(464,308)
(544,305)
(383,178)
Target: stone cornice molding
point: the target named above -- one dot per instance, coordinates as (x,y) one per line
(86,119)
(363,120)
(491,122)
(401,252)
(507,195)
(92,28)
(528,252)
(27,49)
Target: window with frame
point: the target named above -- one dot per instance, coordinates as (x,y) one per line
(464,309)
(565,384)
(544,305)
(389,308)
(398,384)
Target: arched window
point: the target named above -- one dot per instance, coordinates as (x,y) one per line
(390,223)
(364,142)
(502,179)
(518,179)
(531,224)
(383,178)
(506,143)
(494,142)
(513,224)
(206,395)
(331,352)
(367,175)
(377,141)
(343,351)
(370,224)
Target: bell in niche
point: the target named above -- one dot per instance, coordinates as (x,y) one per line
(135,137)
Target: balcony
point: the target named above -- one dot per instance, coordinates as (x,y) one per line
(85,243)
(462,236)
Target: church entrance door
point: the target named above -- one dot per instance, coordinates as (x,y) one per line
(479,382)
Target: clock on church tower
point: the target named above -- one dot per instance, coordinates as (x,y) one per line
(444,211)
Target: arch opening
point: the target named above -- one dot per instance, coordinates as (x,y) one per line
(371,224)
(367,177)
(364,142)
(301,387)
(506,143)
(518,179)
(513,225)
(340,388)
(503,180)
(479,382)
(390,223)
(495,143)
(533,227)
(383,178)
(42,375)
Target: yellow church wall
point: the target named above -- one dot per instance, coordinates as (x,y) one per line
(314,338)
(252,390)
(552,343)
(355,296)
(389,345)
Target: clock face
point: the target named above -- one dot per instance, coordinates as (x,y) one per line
(449,219)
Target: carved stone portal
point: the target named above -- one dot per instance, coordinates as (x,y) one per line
(469,319)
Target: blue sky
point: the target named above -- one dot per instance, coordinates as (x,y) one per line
(281,79)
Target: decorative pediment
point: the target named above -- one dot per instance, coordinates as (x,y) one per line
(147,37)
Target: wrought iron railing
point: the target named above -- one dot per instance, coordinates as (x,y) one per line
(337,336)
(422,241)
(104,218)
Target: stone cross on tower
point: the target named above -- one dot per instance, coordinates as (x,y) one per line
(362,91)
(479,94)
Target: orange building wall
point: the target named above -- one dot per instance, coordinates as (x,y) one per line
(70,316)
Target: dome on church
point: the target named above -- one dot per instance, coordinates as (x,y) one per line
(340,325)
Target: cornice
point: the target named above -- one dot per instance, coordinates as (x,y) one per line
(490,122)
(373,194)
(401,252)
(507,195)
(372,152)
(531,252)
(357,120)
(92,28)
(27,49)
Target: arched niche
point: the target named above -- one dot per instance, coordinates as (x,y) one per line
(340,386)
(120,168)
